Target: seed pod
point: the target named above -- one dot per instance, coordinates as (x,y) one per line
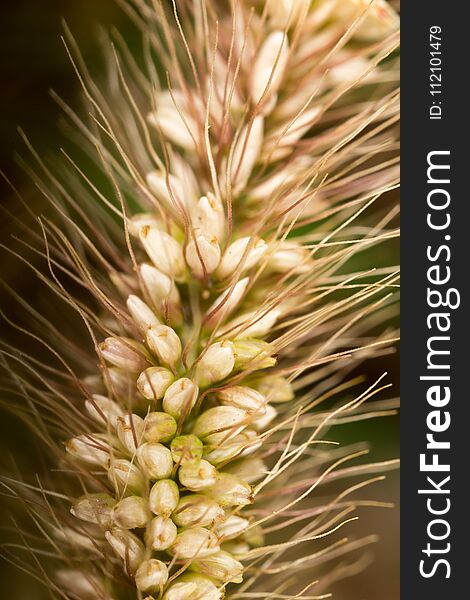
(205,589)
(94,508)
(197,475)
(194,542)
(256,353)
(104,410)
(159,427)
(154,381)
(161,533)
(141,313)
(198,510)
(164,497)
(269,66)
(126,477)
(243,397)
(230,490)
(221,566)
(220,424)
(215,364)
(122,353)
(186,448)
(158,286)
(130,431)
(255,324)
(128,547)
(276,388)
(203,255)
(165,344)
(244,253)
(131,513)
(227,302)
(208,217)
(155,460)
(163,250)
(180,398)
(151,576)
(231,528)
(89,448)
(180,591)
(238,446)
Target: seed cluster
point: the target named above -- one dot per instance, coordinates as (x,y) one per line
(177,464)
(189,395)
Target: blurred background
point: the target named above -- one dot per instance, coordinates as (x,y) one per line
(33,60)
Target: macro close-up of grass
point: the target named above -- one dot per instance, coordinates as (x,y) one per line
(199,300)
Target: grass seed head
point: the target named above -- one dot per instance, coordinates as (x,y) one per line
(251,153)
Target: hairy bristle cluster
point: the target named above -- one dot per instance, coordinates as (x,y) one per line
(244,155)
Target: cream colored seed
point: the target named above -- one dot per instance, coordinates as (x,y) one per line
(269,67)
(215,364)
(126,477)
(164,497)
(155,460)
(232,527)
(142,314)
(204,587)
(182,590)
(154,381)
(131,513)
(197,475)
(161,533)
(122,353)
(180,398)
(165,344)
(159,427)
(186,448)
(128,547)
(197,509)
(219,424)
(243,397)
(94,508)
(221,566)
(243,253)
(163,250)
(130,429)
(195,542)
(230,490)
(151,576)
(104,410)
(203,255)
(90,449)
